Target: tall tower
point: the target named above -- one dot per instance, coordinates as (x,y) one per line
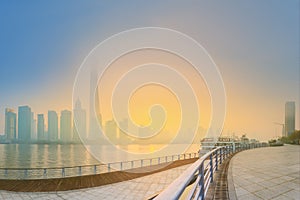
(52,126)
(33,127)
(10,124)
(94,107)
(79,122)
(24,123)
(289,117)
(65,126)
(41,127)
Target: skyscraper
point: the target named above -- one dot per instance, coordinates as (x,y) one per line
(94,107)
(79,122)
(10,124)
(65,126)
(41,127)
(33,127)
(52,126)
(289,117)
(24,123)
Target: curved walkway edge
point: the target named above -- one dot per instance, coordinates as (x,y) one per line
(71,183)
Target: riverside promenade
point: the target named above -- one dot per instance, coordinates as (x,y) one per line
(265,173)
(262,173)
(138,188)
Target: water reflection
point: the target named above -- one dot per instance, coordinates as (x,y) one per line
(55,155)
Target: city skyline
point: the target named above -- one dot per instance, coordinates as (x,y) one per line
(254,44)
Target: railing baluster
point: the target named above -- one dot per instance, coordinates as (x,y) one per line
(79,170)
(45,173)
(63,172)
(95,169)
(211,169)
(217,160)
(201,183)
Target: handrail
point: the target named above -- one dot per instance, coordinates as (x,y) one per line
(177,187)
(60,172)
(204,172)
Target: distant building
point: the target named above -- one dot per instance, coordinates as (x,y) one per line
(65,126)
(33,127)
(111,130)
(94,107)
(10,124)
(289,117)
(79,122)
(52,126)
(24,123)
(41,127)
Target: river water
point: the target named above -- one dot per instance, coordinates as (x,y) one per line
(66,155)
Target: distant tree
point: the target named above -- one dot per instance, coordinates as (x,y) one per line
(294,138)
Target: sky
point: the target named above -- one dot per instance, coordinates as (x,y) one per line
(255,45)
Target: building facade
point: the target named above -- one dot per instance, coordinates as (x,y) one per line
(41,128)
(52,126)
(24,123)
(79,122)
(290,117)
(10,125)
(66,126)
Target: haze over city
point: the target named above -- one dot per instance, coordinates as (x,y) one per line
(254,44)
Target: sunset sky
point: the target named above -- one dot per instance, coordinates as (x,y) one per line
(255,45)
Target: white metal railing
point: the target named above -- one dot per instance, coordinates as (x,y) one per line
(73,171)
(204,170)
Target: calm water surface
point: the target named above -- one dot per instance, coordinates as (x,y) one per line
(56,155)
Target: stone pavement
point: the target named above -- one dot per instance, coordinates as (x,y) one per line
(266,173)
(139,188)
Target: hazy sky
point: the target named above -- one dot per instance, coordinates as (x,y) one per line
(254,43)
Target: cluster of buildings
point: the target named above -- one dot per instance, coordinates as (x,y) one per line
(22,127)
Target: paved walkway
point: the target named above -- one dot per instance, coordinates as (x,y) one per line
(139,188)
(266,173)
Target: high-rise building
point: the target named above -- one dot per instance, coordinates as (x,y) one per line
(65,126)
(79,122)
(94,107)
(289,117)
(33,127)
(111,128)
(41,127)
(10,124)
(24,123)
(52,126)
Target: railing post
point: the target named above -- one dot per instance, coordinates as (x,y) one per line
(217,160)
(95,169)
(5,172)
(211,169)
(201,182)
(79,170)
(158,160)
(121,166)
(221,155)
(63,172)
(151,162)
(183,156)
(25,173)
(131,164)
(108,167)
(45,173)
(141,163)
